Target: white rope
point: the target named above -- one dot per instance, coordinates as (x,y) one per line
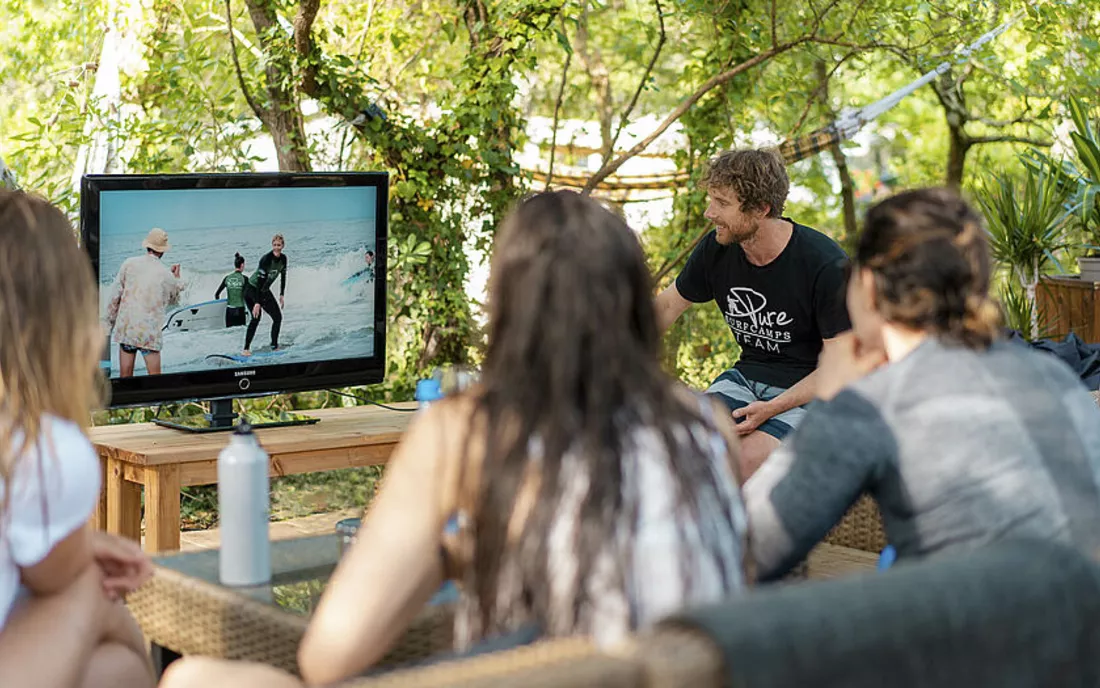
(851,120)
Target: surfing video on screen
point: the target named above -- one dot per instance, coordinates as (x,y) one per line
(202,279)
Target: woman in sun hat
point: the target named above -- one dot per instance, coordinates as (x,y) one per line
(143,290)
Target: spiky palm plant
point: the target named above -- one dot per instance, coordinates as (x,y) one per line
(1026,220)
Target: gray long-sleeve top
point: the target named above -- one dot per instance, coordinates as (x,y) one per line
(957,446)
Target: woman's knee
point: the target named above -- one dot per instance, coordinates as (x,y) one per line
(190,671)
(203,672)
(113,665)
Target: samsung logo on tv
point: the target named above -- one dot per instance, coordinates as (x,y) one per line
(242,373)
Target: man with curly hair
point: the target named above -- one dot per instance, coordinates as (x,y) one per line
(780,288)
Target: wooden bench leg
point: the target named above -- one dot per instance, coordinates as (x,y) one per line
(162,508)
(123,503)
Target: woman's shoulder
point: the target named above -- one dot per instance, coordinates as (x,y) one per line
(444,426)
(58,434)
(61,454)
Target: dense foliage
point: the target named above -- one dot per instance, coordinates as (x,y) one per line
(441,95)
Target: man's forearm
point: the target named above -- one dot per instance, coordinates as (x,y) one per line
(801,393)
(665,319)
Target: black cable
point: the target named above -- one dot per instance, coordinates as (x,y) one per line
(370,401)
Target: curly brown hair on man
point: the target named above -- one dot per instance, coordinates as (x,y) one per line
(758,177)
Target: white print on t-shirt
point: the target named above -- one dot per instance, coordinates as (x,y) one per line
(751,324)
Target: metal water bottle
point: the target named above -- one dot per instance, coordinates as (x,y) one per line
(243,505)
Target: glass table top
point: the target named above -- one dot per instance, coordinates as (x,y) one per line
(300,570)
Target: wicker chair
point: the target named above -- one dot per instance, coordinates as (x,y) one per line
(861,528)
(665,658)
(195,617)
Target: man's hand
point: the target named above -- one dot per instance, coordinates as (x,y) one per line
(176,270)
(125,567)
(845,362)
(256,311)
(282,301)
(751,417)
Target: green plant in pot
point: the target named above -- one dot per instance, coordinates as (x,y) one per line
(1026,218)
(1086,145)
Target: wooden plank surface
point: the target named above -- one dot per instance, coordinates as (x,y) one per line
(1066,304)
(354,428)
(206,472)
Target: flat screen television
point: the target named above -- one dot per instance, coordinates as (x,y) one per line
(186,262)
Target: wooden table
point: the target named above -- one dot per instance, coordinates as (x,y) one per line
(163,460)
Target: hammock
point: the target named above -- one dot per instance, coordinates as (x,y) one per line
(851,121)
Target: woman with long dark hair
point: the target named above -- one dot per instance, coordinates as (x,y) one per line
(961,438)
(592,493)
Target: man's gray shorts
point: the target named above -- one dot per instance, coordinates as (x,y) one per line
(736,391)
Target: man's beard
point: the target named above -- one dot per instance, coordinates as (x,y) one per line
(728,235)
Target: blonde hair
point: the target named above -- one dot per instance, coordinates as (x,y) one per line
(50,339)
(278,237)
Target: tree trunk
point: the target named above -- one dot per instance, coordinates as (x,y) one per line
(958,146)
(600,78)
(847,187)
(281,115)
(847,196)
(1034,307)
(1029,280)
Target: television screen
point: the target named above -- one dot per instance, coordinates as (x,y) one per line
(221,284)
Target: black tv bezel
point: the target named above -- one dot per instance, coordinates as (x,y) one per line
(262,379)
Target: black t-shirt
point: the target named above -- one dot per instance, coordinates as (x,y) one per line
(778,312)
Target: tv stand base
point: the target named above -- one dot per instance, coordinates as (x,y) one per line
(223,417)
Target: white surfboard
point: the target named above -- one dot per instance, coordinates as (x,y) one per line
(208,315)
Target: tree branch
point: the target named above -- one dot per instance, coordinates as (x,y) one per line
(1008,138)
(817,92)
(600,77)
(1001,124)
(645,77)
(775,35)
(557,114)
(609,167)
(256,109)
(303,41)
(667,267)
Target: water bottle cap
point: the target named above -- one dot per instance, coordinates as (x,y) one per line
(428,390)
(243,426)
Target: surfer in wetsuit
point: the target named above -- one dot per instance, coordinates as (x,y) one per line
(257,293)
(234,284)
(370,265)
